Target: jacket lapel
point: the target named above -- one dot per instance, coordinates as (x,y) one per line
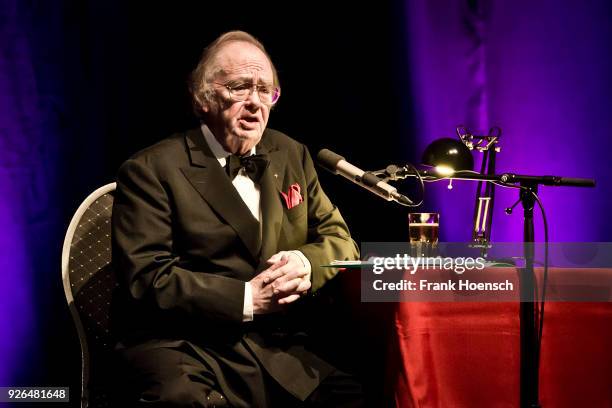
(271,207)
(211,182)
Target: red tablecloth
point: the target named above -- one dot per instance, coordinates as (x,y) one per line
(460,354)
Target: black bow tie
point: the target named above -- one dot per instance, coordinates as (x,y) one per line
(253,165)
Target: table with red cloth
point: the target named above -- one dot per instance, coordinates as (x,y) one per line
(467,354)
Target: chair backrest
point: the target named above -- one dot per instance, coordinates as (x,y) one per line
(89,282)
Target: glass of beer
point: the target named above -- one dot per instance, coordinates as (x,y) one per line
(423,229)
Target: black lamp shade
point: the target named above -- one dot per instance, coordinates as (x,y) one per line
(448,152)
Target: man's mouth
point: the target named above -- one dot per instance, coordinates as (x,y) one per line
(249,122)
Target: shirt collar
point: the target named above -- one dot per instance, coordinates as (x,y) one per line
(217,150)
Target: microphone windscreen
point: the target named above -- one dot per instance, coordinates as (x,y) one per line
(329,160)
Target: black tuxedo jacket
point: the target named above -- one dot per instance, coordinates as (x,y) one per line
(184,243)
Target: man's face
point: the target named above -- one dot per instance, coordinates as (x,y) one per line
(239,125)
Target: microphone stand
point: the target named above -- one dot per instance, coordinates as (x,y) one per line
(529,341)
(528,310)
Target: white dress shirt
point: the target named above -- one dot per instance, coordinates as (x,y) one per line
(251,195)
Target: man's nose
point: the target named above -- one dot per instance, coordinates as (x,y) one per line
(253,99)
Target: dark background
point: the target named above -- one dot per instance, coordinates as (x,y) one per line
(339,70)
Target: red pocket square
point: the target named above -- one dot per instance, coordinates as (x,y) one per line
(293,197)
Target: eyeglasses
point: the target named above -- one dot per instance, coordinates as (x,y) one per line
(242,91)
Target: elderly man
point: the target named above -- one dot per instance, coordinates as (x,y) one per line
(219,237)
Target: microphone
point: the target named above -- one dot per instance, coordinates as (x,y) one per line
(338,165)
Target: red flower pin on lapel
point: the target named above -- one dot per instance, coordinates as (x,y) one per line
(293,197)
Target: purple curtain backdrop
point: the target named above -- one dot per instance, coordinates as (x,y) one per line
(19,144)
(540,71)
(30,146)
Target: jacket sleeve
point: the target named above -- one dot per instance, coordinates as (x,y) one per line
(328,234)
(143,254)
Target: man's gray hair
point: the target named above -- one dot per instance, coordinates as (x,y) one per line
(203,74)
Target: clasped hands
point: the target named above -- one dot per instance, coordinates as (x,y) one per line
(284,282)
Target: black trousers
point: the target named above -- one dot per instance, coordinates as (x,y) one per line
(186,376)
